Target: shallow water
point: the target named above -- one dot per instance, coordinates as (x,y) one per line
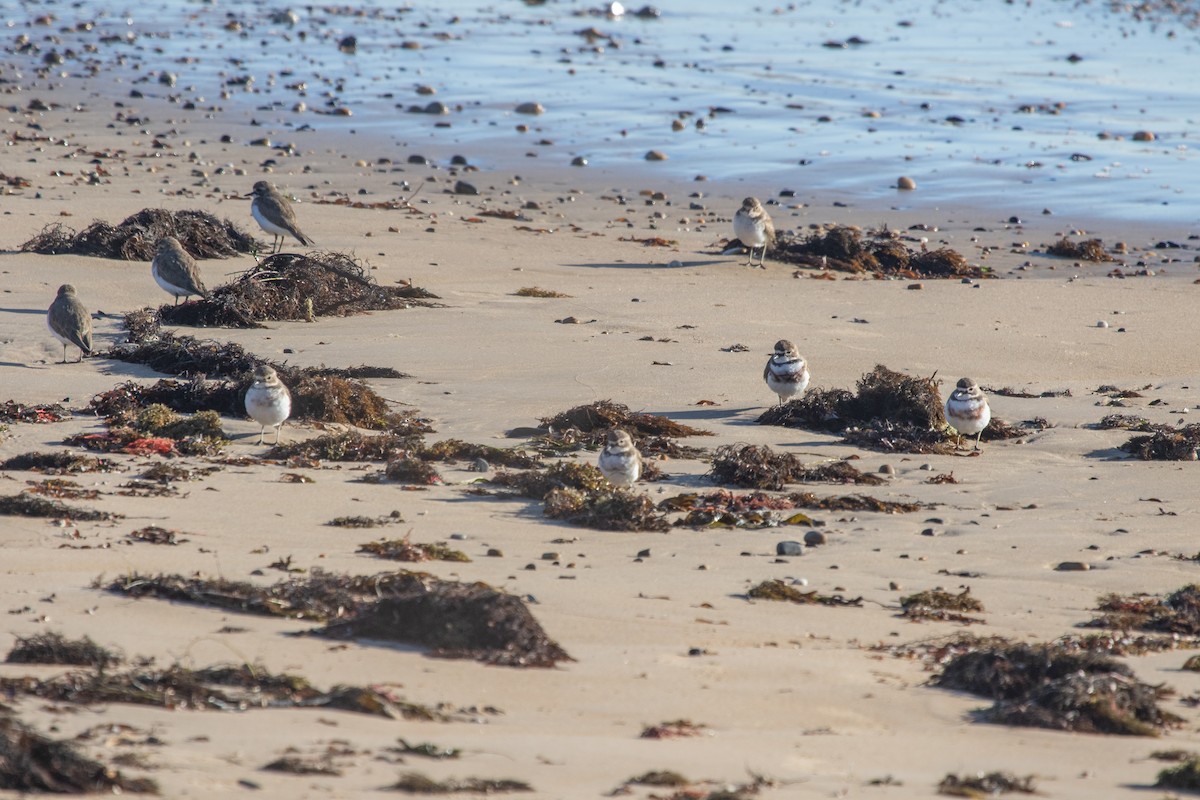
(977,101)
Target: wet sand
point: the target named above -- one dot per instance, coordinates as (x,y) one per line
(796,694)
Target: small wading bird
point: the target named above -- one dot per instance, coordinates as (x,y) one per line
(786,372)
(70,322)
(268,401)
(176,271)
(273,212)
(753,227)
(967,411)
(620,461)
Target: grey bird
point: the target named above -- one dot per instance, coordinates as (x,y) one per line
(273,212)
(70,322)
(753,227)
(176,271)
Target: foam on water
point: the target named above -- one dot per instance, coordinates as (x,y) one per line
(979,101)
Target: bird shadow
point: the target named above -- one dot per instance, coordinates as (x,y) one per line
(711,412)
(22,311)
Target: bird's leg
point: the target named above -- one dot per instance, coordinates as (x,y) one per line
(978,437)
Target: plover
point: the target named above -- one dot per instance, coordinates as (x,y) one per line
(967,410)
(786,372)
(753,227)
(176,271)
(620,461)
(268,401)
(70,322)
(274,214)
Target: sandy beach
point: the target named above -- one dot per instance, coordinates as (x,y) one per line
(809,700)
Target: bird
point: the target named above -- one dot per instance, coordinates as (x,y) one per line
(176,271)
(273,212)
(70,322)
(620,461)
(268,401)
(753,227)
(786,372)
(967,410)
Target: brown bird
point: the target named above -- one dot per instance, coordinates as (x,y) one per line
(70,322)
(176,271)
(274,214)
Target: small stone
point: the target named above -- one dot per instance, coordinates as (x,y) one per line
(579,161)
(815,538)
(895,587)
(1102,324)
(928,532)
(1144,136)
(800,582)
(462,187)
(916,286)
(677,125)
(675,264)
(550,556)
(644,553)
(906,183)
(1073,566)
(459,537)
(656,155)
(416,159)
(426,90)
(530,108)
(495,552)
(437,108)
(479,465)
(887,469)
(789,548)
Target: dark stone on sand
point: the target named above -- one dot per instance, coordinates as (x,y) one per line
(462,187)
(789,548)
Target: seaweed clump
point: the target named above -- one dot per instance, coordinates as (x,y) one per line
(54,648)
(938,605)
(1178,613)
(989,784)
(587,426)
(1165,443)
(157,429)
(27,505)
(842,248)
(783,592)
(1088,250)
(580,495)
(455,620)
(420,783)
(12,411)
(64,463)
(31,762)
(725,509)
(758,467)
(1185,776)
(135,238)
(406,550)
(298,287)
(1059,687)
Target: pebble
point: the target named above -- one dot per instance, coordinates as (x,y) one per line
(815,538)
(531,108)
(656,155)
(1102,324)
(906,183)
(1144,136)
(459,537)
(579,161)
(426,90)
(789,548)
(800,582)
(550,556)
(462,187)
(495,552)
(916,286)
(675,264)
(479,465)
(887,469)
(644,553)
(1073,566)
(677,125)
(895,587)
(436,108)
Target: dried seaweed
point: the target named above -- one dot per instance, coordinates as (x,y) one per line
(455,620)
(673,729)
(853,502)
(1177,613)
(1184,776)
(26,505)
(154,534)
(984,785)
(173,354)
(725,509)
(222,688)
(842,248)
(54,648)
(1057,686)
(778,590)
(135,238)
(758,467)
(456,450)
(298,287)
(302,765)
(443,615)
(61,489)
(1130,422)
(419,783)
(157,429)
(1166,443)
(31,762)
(537,484)
(407,468)
(1088,250)
(534,291)
(64,463)
(406,550)
(600,417)
(605,510)
(365,522)
(12,411)
(938,605)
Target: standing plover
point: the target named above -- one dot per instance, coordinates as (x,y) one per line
(786,372)
(70,322)
(176,271)
(753,227)
(273,212)
(268,401)
(620,461)
(967,411)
